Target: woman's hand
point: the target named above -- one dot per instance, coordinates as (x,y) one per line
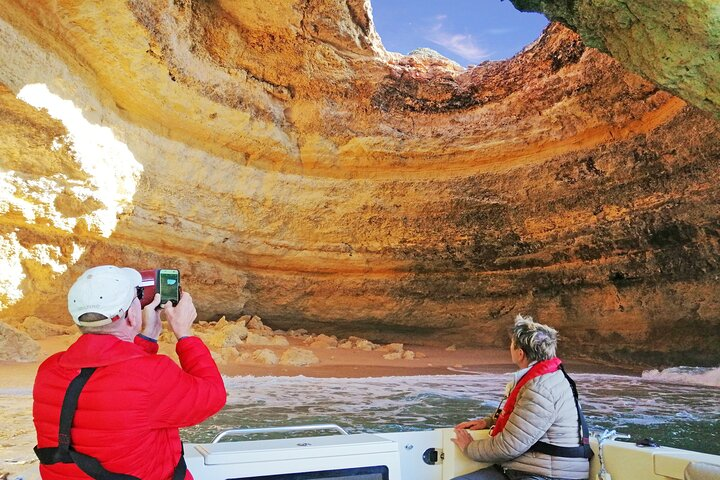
(462,439)
(151,319)
(472,425)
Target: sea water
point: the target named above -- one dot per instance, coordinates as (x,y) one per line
(677,407)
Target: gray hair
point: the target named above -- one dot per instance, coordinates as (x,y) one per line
(538,341)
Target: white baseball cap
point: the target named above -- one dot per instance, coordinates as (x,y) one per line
(106,290)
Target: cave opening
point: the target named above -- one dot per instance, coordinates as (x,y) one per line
(462,30)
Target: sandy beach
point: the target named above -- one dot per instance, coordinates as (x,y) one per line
(17,436)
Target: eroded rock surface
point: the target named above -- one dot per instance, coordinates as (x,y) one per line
(675,44)
(17,346)
(290,167)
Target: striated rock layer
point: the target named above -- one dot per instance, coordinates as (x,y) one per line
(290,167)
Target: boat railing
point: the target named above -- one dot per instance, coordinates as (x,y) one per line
(282,429)
(604,435)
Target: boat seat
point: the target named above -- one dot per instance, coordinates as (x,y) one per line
(702,471)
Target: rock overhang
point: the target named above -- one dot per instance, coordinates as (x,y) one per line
(294,169)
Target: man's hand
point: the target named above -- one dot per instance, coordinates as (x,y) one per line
(479,424)
(181,316)
(152,326)
(462,439)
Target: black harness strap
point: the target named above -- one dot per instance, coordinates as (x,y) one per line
(581,451)
(181,467)
(64,453)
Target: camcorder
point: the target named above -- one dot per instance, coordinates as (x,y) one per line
(164,281)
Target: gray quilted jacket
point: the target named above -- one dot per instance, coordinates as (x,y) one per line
(545,410)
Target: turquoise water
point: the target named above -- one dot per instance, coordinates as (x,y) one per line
(658,405)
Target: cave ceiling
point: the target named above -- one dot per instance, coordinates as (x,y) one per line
(292,168)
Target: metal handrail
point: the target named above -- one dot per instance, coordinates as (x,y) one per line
(292,428)
(602,437)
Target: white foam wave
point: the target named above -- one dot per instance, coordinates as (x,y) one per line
(629,404)
(685,375)
(605,397)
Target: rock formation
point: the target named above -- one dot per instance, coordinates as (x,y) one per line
(292,168)
(17,346)
(675,44)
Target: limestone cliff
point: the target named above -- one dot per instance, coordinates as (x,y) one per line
(289,166)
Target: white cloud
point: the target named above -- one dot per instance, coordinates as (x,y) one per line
(460,44)
(499,31)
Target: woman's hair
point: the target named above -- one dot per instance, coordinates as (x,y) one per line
(538,341)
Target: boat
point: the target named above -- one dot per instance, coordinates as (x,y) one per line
(416,455)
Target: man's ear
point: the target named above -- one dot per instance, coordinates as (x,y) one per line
(133,319)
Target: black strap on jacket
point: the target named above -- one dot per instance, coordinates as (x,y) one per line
(581,451)
(65,453)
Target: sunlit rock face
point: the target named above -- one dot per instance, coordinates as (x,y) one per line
(674,43)
(291,168)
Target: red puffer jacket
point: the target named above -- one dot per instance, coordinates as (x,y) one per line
(130,410)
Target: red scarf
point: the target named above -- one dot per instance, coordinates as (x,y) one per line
(540,368)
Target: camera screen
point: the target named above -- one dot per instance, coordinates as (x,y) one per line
(169,286)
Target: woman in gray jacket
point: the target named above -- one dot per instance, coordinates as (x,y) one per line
(540,432)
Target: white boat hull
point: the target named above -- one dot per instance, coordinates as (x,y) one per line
(400,456)
(402,453)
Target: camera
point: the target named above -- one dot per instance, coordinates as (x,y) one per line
(164,281)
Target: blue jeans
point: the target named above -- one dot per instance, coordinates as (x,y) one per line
(496,473)
(489,473)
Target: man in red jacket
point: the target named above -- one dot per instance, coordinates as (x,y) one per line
(111,407)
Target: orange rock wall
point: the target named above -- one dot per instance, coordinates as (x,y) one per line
(290,167)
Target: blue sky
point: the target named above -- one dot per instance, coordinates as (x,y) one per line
(467,31)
